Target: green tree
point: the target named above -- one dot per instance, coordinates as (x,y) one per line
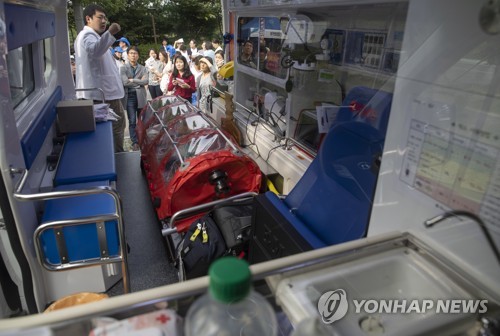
(75,14)
(189,19)
(195,19)
(75,10)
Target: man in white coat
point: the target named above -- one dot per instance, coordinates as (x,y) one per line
(96,68)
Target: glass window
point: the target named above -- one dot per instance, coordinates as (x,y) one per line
(261,41)
(21,76)
(47,57)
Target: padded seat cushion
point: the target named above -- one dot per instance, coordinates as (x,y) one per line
(87,157)
(81,240)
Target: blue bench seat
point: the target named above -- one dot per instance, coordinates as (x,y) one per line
(81,241)
(87,157)
(332,201)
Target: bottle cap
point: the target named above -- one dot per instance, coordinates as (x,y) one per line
(230,279)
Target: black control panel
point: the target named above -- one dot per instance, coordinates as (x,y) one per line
(272,235)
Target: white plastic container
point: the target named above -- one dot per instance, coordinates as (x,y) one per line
(231,306)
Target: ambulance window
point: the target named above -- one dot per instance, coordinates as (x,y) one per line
(21,75)
(47,57)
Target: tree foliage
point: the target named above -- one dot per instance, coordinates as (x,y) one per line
(195,19)
(189,19)
(75,9)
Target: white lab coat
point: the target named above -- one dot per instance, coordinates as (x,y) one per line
(96,67)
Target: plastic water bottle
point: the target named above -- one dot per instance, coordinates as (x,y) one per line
(231,306)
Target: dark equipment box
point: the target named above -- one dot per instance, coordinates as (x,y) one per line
(75,116)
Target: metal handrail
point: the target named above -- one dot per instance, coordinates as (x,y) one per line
(103,98)
(91,219)
(200,208)
(310,152)
(63,223)
(259,119)
(245,108)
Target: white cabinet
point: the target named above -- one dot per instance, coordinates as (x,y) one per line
(296,55)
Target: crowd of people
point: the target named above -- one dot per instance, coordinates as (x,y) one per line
(112,65)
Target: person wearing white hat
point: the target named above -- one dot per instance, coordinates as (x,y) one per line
(204,83)
(95,67)
(178,43)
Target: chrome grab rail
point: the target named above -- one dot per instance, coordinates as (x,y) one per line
(103,98)
(300,145)
(84,220)
(194,210)
(200,208)
(65,265)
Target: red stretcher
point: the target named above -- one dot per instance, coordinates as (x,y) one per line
(189,161)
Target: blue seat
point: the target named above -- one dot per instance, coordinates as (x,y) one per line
(333,198)
(82,241)
(367,105)
(331,203)
(87,157)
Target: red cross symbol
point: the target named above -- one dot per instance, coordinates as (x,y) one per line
(163,318)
